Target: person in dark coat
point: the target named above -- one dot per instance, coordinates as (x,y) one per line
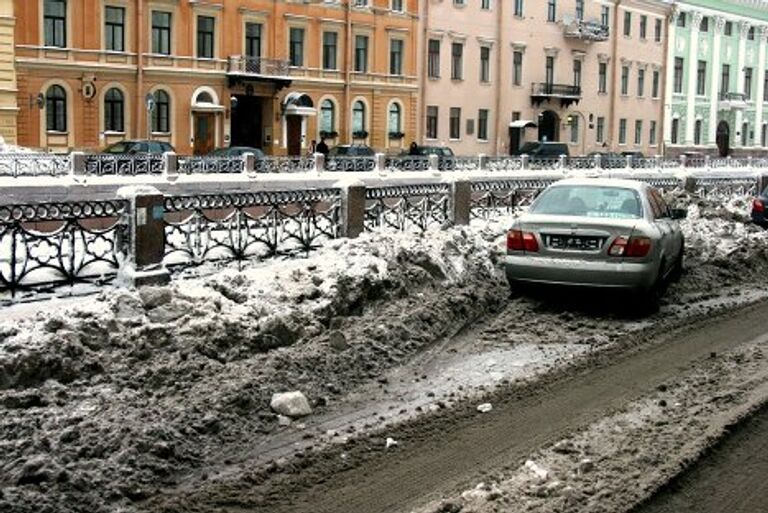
(322,148)
(414,149)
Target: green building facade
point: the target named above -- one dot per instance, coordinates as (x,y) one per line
(716,80)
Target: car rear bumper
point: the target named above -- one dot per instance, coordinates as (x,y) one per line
(560,271)
(760,219)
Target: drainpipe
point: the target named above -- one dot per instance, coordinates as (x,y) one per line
(499,62)
(422,70)
(140,69)
(664,63)
(345,120)
(614,90)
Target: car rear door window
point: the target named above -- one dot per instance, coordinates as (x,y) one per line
(589,201)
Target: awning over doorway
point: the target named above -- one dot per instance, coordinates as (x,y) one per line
(522,123)
(299,104)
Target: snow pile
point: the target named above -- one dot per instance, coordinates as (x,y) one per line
(102,404)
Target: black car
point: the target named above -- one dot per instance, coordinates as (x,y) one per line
(237,151)
(544,150)
(609,159)
(351,150)
(440,151)
(138,146)
(354,157)
(759,204)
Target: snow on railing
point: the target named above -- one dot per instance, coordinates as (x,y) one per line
(121,164)
(407,207)
(34,164)
(192,165)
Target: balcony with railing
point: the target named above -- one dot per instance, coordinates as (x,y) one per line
(544,91)
(733,101)
(241,67)
(589,31)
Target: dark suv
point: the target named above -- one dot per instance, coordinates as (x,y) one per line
(544,150)
(138,146)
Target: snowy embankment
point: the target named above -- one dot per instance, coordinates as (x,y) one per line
(106,402)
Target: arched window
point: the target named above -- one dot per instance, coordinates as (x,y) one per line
(113,111)
(327,116)
(358,117)
(56,109)
(161,116)
(395,118)
(204,97)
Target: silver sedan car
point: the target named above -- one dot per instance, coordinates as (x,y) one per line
(597,233)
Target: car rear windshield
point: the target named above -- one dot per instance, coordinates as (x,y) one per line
(589,201)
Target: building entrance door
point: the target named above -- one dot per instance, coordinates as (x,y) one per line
(723,138)
(515,137)
(205,132)
(549,126)
(293,124)
(247,122)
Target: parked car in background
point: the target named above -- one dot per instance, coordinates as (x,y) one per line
(694,159)
(609,159)
(138,146)
(544,150)
(237,151)
(351,150)
(440,151)
(340,158)
(615,234)
(759,214)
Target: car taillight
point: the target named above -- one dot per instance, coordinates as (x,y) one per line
(630,247)
(758,206)
(518,240)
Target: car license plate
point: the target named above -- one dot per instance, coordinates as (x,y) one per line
(574,242)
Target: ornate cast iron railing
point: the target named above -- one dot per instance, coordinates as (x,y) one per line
(351,164)
(240,226)
(243,65)
(210,165)
(34,164)
(284,165)
(407,207)
(105,164)
(46,245)
(502,197)
(505,164)
(716,187)
(407,163)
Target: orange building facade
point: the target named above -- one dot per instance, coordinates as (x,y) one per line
(204,74)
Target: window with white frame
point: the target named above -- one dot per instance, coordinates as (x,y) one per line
(114,107)
(395,119)
(327,118)
(55,23)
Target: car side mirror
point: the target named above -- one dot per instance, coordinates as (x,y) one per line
(679,213)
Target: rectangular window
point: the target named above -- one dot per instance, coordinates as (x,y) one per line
(457,61)
(602,78)
(656,84)
(725,79)
(652,134)
(765,87)
(455,123)
(600,129)
(627,23)
(161,32)
(205,35)
(397,5)
(433,58)
(432,113)
(751,34)
(114,28)
(579,10)
(681,20)
(517,68)
(577,73)
(657,31)
(641,83)
(253,40)
(678,75)
(55,23)
(482,124)
(622,131)
(643,27)
(575,129)
(396,57)
(518,7)
(748,83)
(624,80)
(485,5)
(296,46)
(638,132)
(485,64)
(330,50)
(728,29)
(701,78)
(361,54)
(704,27)
(552,10)
(675,131)
(549,72)
(605,16)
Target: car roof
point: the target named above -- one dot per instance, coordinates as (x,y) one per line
(604,182)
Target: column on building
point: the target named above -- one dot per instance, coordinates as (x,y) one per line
(693,62)
(743,32)
(760,112)
(670,78)
(716,78)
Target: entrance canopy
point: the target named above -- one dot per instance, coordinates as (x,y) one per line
(299,104)
(522,123)
(205,102)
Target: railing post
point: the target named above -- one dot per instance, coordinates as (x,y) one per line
(381,163)
(598,161)
(628,163)
(683,161)
(353,210)
(563,162)
(689,184)
(749,162)
(434,163)
(524,162)
(77,165)
(171,166)
(728,162)
(249,164)
(461,202)
(482,162)
(707,163)
(144,244)
(319,162)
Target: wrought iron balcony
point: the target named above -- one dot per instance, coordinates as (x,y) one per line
(733,101)
(256,68)
(586,30)
(545,91)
